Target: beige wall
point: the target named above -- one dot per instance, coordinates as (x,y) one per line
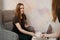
(29,4)
(9,4)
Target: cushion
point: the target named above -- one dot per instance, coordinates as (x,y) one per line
(8,15)
(8,35)
(8,25)
(0,17)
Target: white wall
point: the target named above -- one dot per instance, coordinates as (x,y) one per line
(9,4)
(29,4)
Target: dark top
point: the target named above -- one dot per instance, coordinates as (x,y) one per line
(22,23)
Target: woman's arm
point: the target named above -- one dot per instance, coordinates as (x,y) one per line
(23,31)
(53,35)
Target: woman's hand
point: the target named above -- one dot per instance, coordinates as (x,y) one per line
(44,35)
(32,34)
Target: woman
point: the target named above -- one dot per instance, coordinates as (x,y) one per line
(55,6)
(20,25)
(56,34)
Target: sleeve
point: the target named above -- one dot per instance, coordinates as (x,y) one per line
(15,20)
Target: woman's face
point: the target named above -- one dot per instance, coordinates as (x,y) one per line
(22,9)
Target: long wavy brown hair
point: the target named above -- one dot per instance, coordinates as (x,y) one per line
(18,12)
(54,6)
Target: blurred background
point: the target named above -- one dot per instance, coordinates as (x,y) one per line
(35,10)
(40,13)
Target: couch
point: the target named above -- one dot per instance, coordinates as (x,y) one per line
(6,26)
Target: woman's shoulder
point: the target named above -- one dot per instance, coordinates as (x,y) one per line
(15,19)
